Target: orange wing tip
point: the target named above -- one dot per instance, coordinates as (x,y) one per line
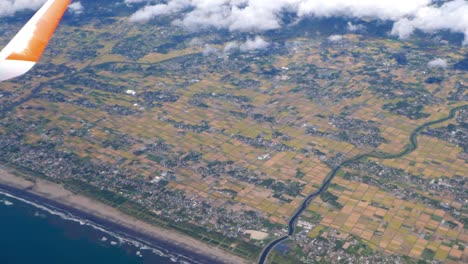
(31,41)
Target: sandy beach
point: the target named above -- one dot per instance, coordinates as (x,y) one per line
(58,194)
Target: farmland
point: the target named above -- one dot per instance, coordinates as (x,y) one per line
(215,144)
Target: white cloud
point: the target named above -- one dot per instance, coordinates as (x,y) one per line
(209,50)
(256,15)
(437,63)
(258,43)
(261,15)
(230,46)
(451,16)
(150,11)
(129,2)
(335,38)
(382,9)
(10,7)
(353,28)
(76,8)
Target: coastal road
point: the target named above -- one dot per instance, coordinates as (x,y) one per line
(412,146)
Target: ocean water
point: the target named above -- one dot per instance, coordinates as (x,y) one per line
(36,233)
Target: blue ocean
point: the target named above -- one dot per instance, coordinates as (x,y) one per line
(36,233)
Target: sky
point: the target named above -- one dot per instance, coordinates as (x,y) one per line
(257,16)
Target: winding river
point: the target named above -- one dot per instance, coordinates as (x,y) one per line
(413,145)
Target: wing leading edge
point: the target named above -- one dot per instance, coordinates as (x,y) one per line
(26,48)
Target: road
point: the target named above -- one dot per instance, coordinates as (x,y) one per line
(413,145)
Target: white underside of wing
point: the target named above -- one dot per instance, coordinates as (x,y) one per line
(13,68)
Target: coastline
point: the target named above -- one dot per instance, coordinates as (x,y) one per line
(55,194)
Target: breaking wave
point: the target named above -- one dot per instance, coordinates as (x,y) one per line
(121,237)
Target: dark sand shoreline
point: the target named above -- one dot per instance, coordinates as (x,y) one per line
(43,192)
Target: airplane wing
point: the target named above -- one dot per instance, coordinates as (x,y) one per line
(25,49)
